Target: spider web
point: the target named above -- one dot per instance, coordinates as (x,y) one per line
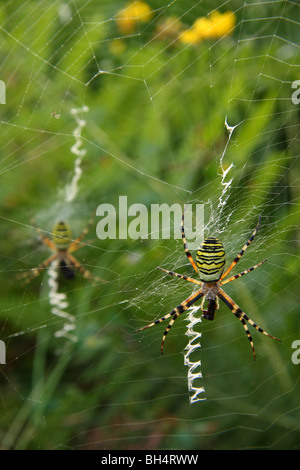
(102,103)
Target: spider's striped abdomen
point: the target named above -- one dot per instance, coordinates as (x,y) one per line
(61,235)
(210,260)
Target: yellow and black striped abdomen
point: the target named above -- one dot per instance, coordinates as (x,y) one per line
(210,260)
(61,235)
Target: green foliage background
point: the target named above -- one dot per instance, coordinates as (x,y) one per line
(155,132)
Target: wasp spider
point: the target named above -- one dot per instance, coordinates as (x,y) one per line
(62,245)
(210,262)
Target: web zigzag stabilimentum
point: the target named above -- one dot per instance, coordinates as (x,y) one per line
(194,372)
(59,304)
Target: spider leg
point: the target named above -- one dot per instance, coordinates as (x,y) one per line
(238,257)
(188,254)
(28,276)
(76,244)
(168,329)
(86,274)
(186,278)
(236,276)
(242,317)
(46,240)
(175,313)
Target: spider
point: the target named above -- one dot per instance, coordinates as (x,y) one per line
(210,262)
(62,245)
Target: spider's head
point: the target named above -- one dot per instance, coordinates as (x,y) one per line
(210,260)
(61,235)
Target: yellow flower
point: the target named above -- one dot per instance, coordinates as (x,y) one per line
(200,30)
(222,24)
(190,36)
(214,26)
(202,27)
(133,13)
